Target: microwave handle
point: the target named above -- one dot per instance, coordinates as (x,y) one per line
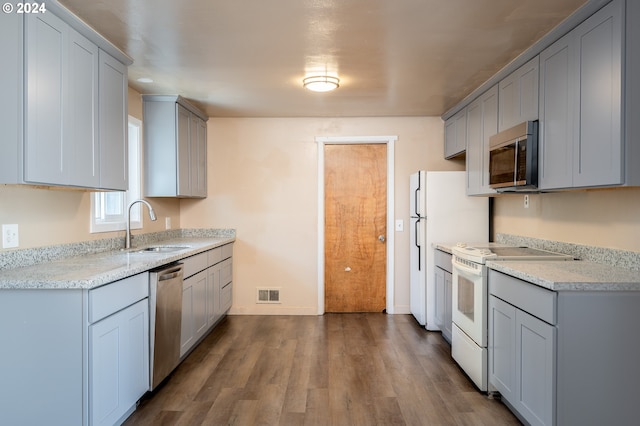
(515,164)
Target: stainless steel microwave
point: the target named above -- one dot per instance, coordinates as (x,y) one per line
(513,158)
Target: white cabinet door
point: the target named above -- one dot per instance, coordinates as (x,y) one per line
(118,363)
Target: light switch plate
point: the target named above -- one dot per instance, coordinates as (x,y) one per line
(10,236)
(399,225)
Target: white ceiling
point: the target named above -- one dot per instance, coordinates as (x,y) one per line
(247,58)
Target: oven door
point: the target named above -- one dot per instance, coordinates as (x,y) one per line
(470,299)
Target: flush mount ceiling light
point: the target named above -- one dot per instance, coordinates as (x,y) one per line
(321,83)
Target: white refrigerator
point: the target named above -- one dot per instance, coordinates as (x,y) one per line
(440,212)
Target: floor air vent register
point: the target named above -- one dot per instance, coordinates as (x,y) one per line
(268,295)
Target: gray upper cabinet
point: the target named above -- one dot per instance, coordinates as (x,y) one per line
(455,135)
(175,146)
(581,142)
(581,82)
(518,96)
(482,123)
(55,109)
(47,152)
(113,123)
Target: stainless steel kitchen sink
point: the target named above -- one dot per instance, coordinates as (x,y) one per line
(161,249)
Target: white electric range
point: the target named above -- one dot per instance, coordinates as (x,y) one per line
(470,301)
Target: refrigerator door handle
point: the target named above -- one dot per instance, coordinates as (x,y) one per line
(415,196)
(417,243)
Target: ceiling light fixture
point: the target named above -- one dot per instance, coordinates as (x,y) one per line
(321,83)
(144,80)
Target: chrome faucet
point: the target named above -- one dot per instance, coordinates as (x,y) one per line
(152,215)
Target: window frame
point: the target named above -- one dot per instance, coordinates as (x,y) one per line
(105,222)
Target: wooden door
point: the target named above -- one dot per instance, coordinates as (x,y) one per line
(355,227)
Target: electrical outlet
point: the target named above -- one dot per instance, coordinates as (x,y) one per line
(399,225)
(167,222)
(526,201)
(10,236)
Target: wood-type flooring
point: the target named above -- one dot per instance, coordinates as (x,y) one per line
(335,369)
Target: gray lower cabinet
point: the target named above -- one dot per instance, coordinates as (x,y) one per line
(206,294)
(581,99)
(78,357)
(566,357)
(522,361)
(118,348)
(119,363)
(69,119)
(194,319)
(444,282)
(175,148)
(482,123)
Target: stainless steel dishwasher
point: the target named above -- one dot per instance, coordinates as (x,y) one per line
(165,317)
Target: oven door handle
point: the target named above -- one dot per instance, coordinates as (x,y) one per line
(466,270)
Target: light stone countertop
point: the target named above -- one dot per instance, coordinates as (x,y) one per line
(571,275)
(93,270)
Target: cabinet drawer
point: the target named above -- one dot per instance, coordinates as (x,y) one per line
(226,271)
(227,251)
(195,264)
(110,298)
(443,260)
(214,256)
(530,298)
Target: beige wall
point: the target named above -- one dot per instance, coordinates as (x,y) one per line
(262,181)
(603,218)
(54,216)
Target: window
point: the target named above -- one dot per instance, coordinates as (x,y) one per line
(108,209)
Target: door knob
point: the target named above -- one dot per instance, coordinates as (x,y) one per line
(382,238)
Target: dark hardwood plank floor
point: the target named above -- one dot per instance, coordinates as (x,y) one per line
(335,369)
